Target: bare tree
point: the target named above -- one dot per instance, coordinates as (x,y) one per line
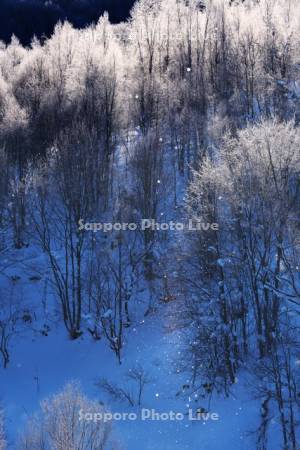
(114,282)
(3,442)
(133,392)
(10,320)
(66,195)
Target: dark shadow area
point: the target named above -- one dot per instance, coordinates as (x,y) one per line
(26,18)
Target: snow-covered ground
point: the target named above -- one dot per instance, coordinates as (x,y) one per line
(41,365)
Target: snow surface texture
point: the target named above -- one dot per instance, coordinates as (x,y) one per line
(54,360)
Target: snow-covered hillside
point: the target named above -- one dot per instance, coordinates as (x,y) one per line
(149,231)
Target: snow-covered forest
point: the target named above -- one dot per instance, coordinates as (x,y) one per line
(188,113)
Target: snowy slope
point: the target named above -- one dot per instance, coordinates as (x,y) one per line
(54,360)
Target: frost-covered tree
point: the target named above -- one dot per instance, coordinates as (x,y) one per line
(252,191)
(61,424)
